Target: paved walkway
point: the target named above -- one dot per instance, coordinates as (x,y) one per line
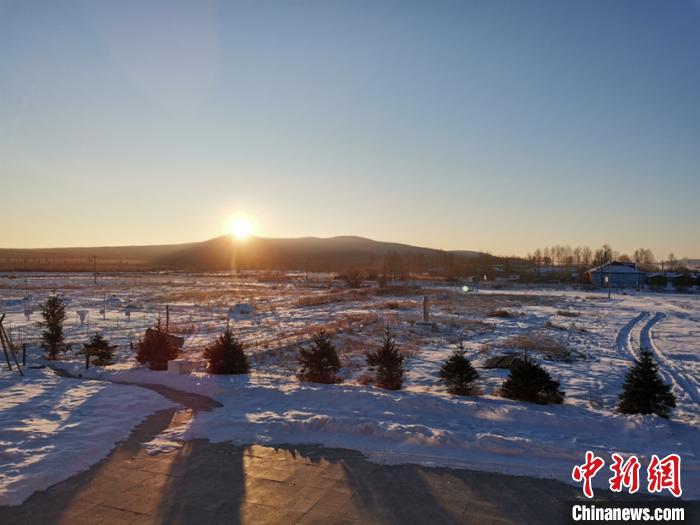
(205,483)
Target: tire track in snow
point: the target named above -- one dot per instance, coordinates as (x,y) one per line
(678,377)
(623,341)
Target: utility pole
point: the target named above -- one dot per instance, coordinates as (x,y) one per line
(167,318)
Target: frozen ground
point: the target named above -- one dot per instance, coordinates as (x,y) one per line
(586,341)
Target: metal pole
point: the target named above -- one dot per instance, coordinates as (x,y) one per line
(167,318)
(7,346)
(2,340)
(24,354)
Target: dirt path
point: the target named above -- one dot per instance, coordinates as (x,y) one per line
(210,483)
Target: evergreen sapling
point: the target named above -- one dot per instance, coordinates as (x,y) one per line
(226,355)
(529,382)
(458,374)
(320,362)
(100,350)
(388,363)
(54,313)
(643,391)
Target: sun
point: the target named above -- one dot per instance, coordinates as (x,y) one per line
(241,228)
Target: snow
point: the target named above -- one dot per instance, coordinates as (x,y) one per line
(52,428)
(422,423)
(483,433)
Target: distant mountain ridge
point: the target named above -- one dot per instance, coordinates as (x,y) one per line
(226,253)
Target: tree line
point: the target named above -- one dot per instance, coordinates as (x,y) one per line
(584,256)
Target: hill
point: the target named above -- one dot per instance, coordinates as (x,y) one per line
(225,253)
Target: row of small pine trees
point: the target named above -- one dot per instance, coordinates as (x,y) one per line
(320,363)
(527,380)
(53,312)
(644,392)
(224,356)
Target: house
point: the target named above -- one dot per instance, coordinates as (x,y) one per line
(616,274)
(657,280)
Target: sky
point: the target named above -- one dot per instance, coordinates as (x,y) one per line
(493,125)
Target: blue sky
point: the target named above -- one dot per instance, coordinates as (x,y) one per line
(494,125)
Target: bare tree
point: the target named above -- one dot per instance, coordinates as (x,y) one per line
(538,256)
(672,262)
(577,255)
(644,258)
(586,256)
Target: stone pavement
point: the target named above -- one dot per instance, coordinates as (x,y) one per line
(205,483)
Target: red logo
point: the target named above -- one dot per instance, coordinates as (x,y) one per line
(587,472)
(665,474)
(662,474)
(625,474)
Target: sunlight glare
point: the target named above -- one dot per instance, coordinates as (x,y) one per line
(241,228)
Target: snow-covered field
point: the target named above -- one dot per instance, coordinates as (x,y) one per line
(586,341)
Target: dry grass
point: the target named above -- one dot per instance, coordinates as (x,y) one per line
(533,342)
(399,305)
(274,277)
(366,379)
(320,299)
(183,328)
(550,324)
(502,313)
(571,327)
(475,326)
(398,290)
(336,295)
(568,313)
(484,348)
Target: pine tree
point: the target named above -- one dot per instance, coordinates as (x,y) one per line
(643,391)
(156,348)
(529,382)
(100,350)
(54,313)
(226,355)
(320,363)
(388,363)
(458,374)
